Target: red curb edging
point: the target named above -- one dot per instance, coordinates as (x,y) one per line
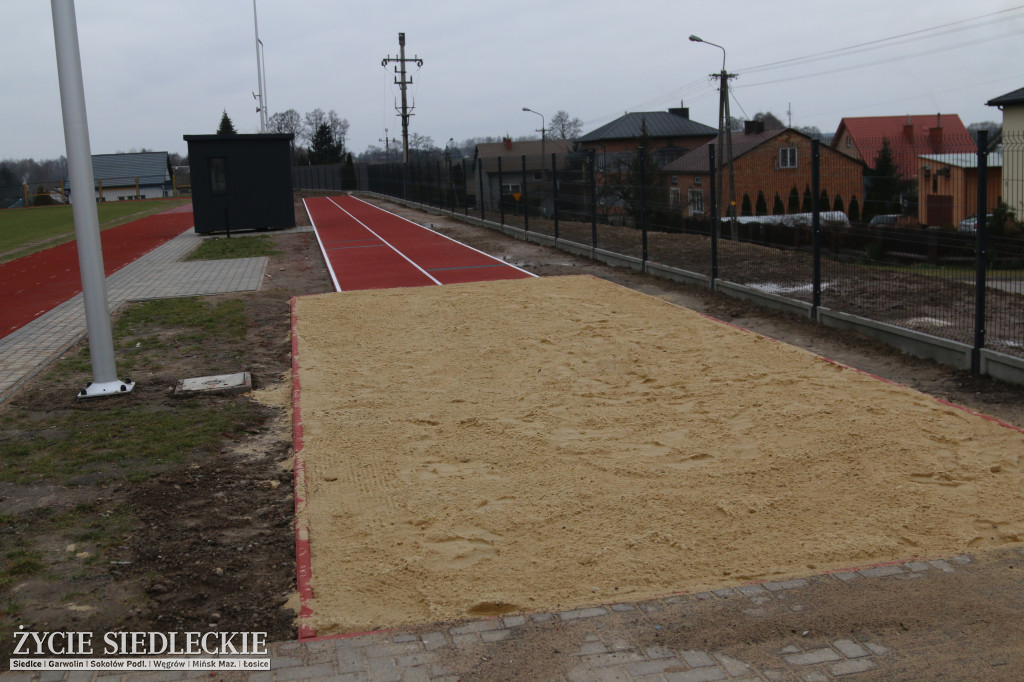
(303,559)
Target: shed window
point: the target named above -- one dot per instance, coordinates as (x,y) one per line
(218,177)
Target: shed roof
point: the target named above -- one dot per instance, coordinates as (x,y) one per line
(659,124)
(995,159)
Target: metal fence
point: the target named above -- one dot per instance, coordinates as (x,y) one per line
(921,234)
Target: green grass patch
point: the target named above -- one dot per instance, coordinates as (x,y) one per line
(222,248)
(26,230)
(131,438)
(200,319)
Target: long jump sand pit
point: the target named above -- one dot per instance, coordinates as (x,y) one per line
(554,443)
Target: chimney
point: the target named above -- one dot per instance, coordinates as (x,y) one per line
(908,129)
(680,110)
(508,143)
(935,134)
(753,127)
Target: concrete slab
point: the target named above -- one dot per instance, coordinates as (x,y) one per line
(221,384)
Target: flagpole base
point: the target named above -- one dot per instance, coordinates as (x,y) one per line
(106,388)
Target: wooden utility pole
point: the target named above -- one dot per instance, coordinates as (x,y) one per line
(400,80)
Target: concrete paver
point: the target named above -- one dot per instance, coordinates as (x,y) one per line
(158,274)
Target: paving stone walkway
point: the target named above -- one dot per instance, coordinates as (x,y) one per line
(615,642)
(159,274)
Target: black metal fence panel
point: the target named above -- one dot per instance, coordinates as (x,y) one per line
(888,230)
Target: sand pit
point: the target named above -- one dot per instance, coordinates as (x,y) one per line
(552,443)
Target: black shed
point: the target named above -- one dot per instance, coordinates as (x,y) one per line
(241,182)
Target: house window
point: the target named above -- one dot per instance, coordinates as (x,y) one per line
(675,180)
(787,157)
(511,188)
(674,199)
(539,175)
(218,177)
(697,181)
(696,201)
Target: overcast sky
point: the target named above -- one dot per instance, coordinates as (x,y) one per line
(155,71)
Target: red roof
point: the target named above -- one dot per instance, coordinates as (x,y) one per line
(909,137)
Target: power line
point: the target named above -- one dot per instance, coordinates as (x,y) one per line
(692,88)
(871,44)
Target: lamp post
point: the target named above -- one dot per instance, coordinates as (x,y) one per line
(541,128)
(724,135)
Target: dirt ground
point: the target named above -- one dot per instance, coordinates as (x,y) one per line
(205,545)
(227,513)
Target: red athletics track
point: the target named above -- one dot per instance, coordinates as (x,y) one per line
(40,282)
(368,248)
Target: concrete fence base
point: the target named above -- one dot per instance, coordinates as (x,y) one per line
(952,353)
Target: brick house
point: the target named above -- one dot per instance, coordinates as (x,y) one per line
(493,186)
(666,134)
(772,170)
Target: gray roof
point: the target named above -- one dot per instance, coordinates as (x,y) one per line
(1015,97)
(149,167)
(995,159)
(659,124)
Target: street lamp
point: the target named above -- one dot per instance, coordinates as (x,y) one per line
(541,128)
(724,134)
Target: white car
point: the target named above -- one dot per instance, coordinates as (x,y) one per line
(971,224)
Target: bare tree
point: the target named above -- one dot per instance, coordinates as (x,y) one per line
(286,122)
(311,123)
(339,128)
(564,127)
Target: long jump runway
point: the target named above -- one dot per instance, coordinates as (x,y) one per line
(368,248)
(551,443)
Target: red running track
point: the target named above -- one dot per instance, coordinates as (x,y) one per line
(368,248)
(37,283)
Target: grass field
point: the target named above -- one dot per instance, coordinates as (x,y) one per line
(26,230)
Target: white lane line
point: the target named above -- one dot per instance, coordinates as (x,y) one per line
(323,251)
(482,253)
(385,241)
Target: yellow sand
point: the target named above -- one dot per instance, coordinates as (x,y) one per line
(560,442)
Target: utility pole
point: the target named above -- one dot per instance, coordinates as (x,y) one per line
(387,147)
(725,131)
(406,110)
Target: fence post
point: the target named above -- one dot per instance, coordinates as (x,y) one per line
(501,188)
(715,218)
(816,225)
(526,203)
(981,253)
(643,209)
(554,187)
(480,186)
(593,199)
